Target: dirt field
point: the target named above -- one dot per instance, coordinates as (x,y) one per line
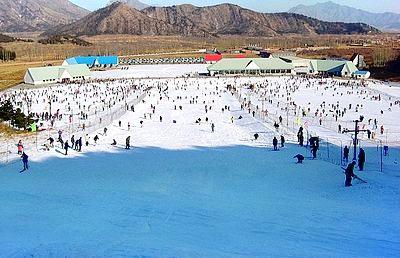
(12,73)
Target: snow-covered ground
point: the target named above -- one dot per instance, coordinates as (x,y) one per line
(152,71)
(322,105)
(184,191)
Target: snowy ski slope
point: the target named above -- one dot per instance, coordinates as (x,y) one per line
(184,191)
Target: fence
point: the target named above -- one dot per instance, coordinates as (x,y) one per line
(330,150)
(34,142)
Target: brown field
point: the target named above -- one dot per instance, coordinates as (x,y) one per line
(7,132)
(12,73)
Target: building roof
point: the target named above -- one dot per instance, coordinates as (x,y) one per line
(240,64)
(54,72)
(213,57)
(290,58)
(333,66)
(93,60)
(361,72)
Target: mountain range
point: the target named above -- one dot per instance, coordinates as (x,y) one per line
(61,17)
(189,20)
(332,12)
(37,15)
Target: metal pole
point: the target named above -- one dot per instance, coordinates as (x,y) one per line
(381,158)
(287,115)
(341,153)
(355,141)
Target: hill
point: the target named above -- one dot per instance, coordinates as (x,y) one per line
(37,15)
(332,12)
(132,3)
(189,20)
(120,18)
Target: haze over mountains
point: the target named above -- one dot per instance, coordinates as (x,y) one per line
(330,11)
(189,20)
(37,15)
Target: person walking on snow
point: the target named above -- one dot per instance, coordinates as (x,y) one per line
(349,172)
(212,127)
(128,143)
(275,143)
(361,159)
(25,162)
(282,141)
(20,147)
(314,150)
(61,142)
(346,152)
(72,141)
(80,144)
(66,146)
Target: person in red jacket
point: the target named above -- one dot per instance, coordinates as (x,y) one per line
(20,147)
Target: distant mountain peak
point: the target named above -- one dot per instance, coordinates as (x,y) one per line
(36,15)
(132,3)
(333,12)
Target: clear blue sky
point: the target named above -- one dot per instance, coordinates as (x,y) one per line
(263,5)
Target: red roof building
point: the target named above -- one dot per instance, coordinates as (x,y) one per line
(212,58)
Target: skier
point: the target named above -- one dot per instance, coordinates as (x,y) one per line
(128,143)
(314,150)
(301,140)
(51,142)
(66,146)
(25,162)
(299,158)
(76,146)
(80,144)
(212,127)
(105,131)
(346,152)
(114,143)
(282,141)
(349,172)
(361,159)
(256,136)
(72,141)
(275,143)
(300,136)
(96,138)
(61,141)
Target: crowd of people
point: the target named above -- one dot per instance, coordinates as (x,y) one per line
(89,102)
(326,103)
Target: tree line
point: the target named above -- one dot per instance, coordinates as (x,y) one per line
(7,55)
(15,116)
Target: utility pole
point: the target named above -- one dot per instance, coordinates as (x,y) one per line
(356,131)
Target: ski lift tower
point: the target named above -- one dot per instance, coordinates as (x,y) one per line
(356,131)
